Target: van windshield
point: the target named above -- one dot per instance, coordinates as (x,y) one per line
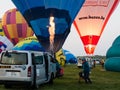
(14,59)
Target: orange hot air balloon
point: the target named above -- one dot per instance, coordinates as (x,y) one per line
(15,26)
(91,21)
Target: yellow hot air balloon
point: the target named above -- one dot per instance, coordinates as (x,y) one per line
(60,57)
(1,30)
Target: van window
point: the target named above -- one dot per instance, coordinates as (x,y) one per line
(14,59)
(39,59)
(52,59)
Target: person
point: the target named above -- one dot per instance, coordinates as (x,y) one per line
(94,63)
(102,63)
(79,63)
(59,69)
(86,70)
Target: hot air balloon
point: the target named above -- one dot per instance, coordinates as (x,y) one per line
(1,30)
(29,43)
(70,58)
(91,21)
(50,19)
(5,43)
(15,26)
(60,57)
(112,62)
(64,56)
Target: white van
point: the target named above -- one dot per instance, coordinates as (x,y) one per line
(29,68)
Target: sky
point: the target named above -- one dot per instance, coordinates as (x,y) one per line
(73,42)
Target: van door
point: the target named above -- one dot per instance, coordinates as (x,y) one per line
(40,68)
(46,66)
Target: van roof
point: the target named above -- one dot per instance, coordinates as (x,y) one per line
(24,51)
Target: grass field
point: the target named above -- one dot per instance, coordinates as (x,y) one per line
(102,80)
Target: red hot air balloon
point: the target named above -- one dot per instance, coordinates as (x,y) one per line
(15,26)
(91,21)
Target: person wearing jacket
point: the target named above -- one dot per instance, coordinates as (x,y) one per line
(86,71)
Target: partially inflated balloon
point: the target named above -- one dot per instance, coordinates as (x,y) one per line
(29,43)
(91,21)
(1,30)
(15,26)
(60,57)
(50,19)
(112,62)
(5,43)
(64,56)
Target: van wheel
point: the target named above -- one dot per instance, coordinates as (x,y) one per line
(51,79)
(35,86)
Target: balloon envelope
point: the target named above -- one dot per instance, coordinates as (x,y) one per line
(65,56)
(5,43)
(50,19)
(112,62)
(60,57)
(91,21)
(114,51)
(70,58)
(15,26)
(1,30)
(29,43)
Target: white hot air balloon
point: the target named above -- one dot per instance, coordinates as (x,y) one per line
(5,43)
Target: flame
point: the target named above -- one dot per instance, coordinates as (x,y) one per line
(51,31)
(89,49)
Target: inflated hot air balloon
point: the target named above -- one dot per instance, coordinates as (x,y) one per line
(112,62)
(60,57)
(70,58)
(64,56)
(50,19)
(1,30)
(15,26)
(91,21)
(5,43)
(29,43)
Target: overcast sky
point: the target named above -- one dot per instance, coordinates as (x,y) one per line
(73,42)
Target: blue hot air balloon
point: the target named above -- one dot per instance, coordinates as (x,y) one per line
(29,43)
(50,19)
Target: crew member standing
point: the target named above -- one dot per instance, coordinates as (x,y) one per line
(86,71)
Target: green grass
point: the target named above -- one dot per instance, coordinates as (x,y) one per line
(102,80)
